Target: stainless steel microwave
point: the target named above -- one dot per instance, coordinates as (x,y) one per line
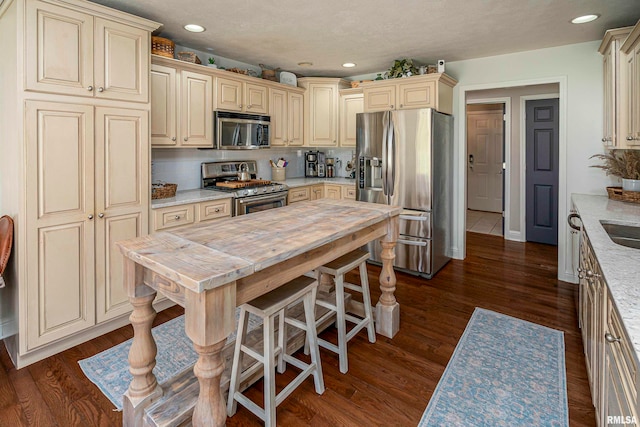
(239,131)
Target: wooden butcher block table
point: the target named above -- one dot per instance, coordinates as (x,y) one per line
(209,269)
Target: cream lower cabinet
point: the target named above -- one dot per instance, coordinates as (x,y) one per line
(85,193)
(609,355)
(287,117)
(181,107)
(72,52)
(190,213)
(320,191)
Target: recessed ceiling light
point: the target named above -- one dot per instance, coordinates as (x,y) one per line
(584,19)
(305,64)
(194,28)
(348,65)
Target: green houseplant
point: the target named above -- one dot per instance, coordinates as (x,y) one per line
(402,68)
(212,62)
(624,164)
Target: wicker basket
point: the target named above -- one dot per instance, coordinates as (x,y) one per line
(615,193)
(163,191)
(631,196)
(163,47)
(189,57)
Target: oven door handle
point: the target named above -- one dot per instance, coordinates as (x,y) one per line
(260,198)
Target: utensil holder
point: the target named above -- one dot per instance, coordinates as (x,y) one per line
(278,174)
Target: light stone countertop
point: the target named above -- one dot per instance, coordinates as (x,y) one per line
(620,265)
(183,197)
(189,196)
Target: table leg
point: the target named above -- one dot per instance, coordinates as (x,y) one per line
(387,308)
(210,409)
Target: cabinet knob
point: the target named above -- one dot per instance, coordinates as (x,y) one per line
(249,106)
(173,138)
(604,139)
(177,217)
(100,215)
(89,88)
(100,89)
(239,105)
(90,216)
(629,138)
(185,138)
(217,210)
(610,338)
(392,107)
(401,105)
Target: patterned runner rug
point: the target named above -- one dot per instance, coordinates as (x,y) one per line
(109,370)
(503,372)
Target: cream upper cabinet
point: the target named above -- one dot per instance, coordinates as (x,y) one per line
(73,53)
(426,91)
(615,98)
(181,108)
(287,120)
(630,87)
(237,95)
(321,110)
(351,103)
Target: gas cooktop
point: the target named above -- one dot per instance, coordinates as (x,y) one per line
(224,176)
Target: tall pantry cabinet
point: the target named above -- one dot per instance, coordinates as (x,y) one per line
(74,169)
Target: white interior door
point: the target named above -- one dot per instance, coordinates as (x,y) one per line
(485,137)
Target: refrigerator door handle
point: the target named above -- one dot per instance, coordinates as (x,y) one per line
(391,160)
(412,242)
(385,158)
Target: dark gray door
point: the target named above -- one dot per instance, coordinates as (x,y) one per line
(542,171)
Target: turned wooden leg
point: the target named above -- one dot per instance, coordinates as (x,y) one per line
(210,409)
(388,309)
(144,387)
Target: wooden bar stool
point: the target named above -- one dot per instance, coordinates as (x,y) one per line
(267,307)
(337,268)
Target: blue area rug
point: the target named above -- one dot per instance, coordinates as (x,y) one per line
(109,370)
(503,372)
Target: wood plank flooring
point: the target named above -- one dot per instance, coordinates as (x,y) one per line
(389,383)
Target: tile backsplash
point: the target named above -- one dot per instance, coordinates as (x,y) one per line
(182,165)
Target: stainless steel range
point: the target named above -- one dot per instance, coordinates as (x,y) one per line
(250,195)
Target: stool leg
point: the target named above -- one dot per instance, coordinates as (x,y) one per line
(309,302)
(269,373)
(341,324)
(236,367)
(282,340)
(366,299)
(306,340)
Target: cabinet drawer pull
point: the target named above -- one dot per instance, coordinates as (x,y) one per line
(217,210)
(177,217)
(610,338)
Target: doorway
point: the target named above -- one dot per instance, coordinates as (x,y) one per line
(485,168)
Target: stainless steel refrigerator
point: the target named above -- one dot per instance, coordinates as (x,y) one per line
(405,159)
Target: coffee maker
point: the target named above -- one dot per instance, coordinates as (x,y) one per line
(314,164)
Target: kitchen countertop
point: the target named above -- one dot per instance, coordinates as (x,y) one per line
(620,265)
(198,195)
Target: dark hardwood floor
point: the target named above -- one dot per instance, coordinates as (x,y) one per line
(389,383)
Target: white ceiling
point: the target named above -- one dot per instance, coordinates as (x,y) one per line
(372,33)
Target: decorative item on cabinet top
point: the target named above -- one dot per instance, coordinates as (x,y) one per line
(402,68)
(189,57)
(269,74)
(163,47)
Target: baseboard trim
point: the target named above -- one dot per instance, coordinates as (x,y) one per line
(8,327)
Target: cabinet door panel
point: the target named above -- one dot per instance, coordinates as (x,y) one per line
(60,150)
(196,124)
(278,112)
(255,99)
(122,160)
(379,98)
(229,94)
(323,116)
(164,106)
(295,121)
(59,56)
(333,192)
(111,298)
(121,61)
(417,95)
(60,282)
(350,106)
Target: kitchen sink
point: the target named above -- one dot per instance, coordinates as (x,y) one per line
(623,234)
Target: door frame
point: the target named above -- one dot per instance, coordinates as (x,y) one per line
(459,249)
(523,162)
(506,148)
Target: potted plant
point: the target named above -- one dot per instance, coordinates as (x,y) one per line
(624,164)
(402,68)
(212,62)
